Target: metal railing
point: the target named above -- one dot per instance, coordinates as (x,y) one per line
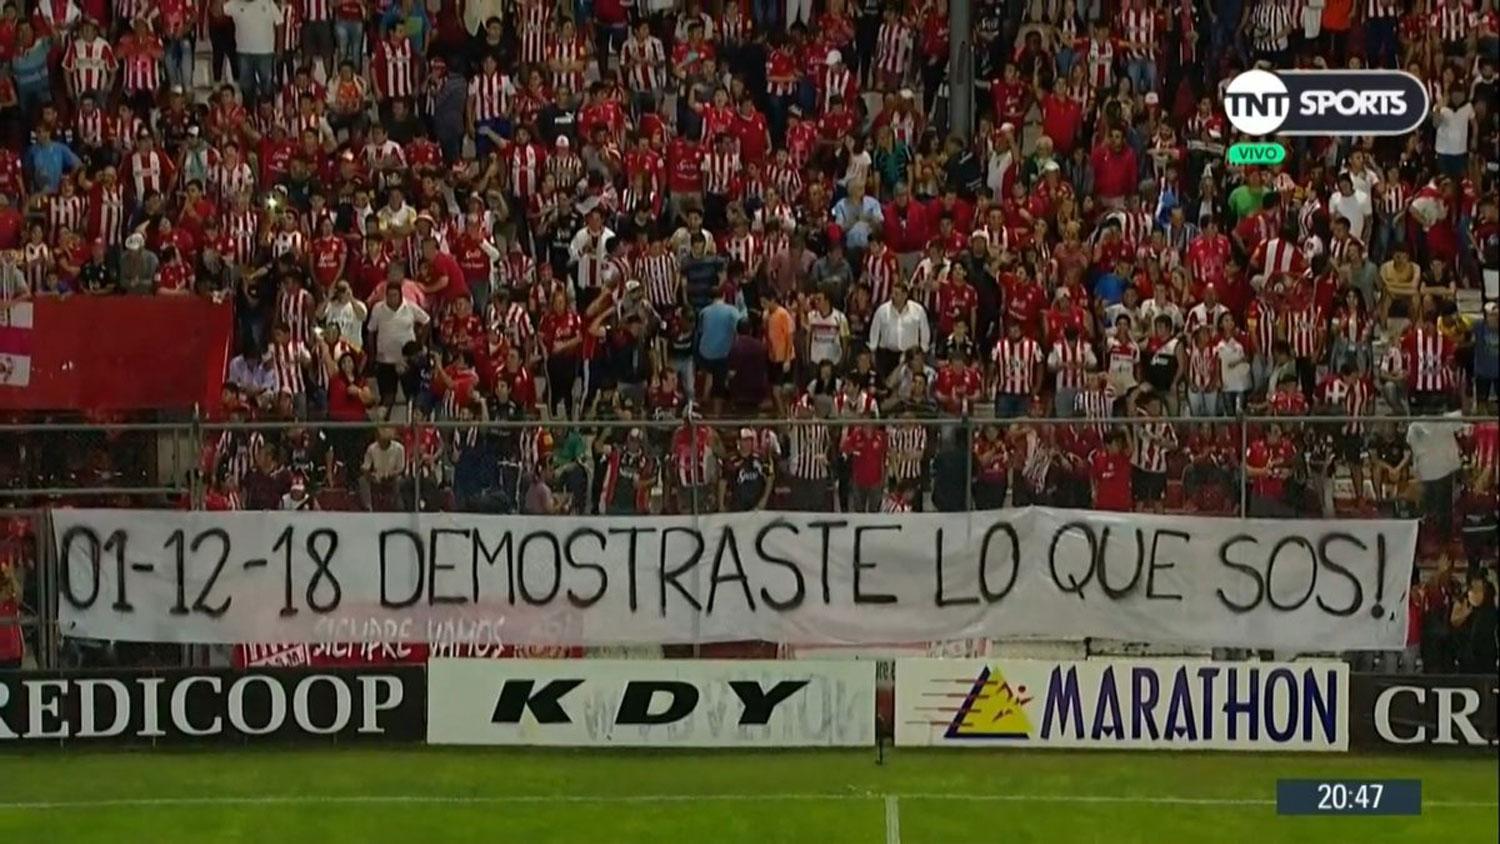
(167,467)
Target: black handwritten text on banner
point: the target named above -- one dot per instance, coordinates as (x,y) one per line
(781,577)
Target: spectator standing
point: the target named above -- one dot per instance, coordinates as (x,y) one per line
(255,23)
(393,323)
(384,465)
(1436,461)
(12,643)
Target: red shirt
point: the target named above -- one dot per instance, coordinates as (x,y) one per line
(1115,173)
(1111,474)
(559,328)
(956,387)
(866,449)
(684,166)
(1061,119)
(1264,455)
(752,133)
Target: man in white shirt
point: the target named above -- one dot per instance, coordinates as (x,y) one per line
(255,23)
(1436,460)
(1353,205)
(396,219)
(384,463)
(393,323)
(898,325)
(1453,119)
(827,331)
(589,252)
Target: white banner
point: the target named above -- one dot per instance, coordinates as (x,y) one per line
(780,577)
(1138,704)
(655,703)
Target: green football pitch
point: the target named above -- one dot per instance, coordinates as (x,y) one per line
(425,795)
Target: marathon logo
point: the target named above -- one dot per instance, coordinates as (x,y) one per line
(1326,102)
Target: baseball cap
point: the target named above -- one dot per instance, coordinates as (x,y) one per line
(747,434)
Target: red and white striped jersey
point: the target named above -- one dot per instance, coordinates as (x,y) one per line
(659,272)
(289,242)
(561,51)
(787,180)
(720,170)
(93,127)
(296,309)
(643,61)
(89,64)
(1276,256)
(513,321)
(1304,330)
(1338,247)
(525,169)
(141,67)
(244,233)
(395,69)
(37,259)
(535,28)
(316,10)
(1154,443)
(1429,360)
(226,180)
(149,172)
(289,360)
(1452,20)
(1203,368)
(745,249)
(1097,404)
(490,95)
(107,213)
(1016,364)
(808,451)
(859,404)
(1393,200)
(566,169)
(1135,226)
(65,213)
(1139,25)
(894,47)
(1073,361)
(836,83)
(1382,9)
(880,273)
(907,451)
(1355,400)
(1099,58)
(289,36)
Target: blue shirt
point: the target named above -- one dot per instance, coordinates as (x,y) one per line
(717,327)
(49,162)
(1486,351)
(855,220)
(1109,289)
(248,376)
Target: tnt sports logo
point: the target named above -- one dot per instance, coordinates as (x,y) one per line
(1257,102)
(1326,102)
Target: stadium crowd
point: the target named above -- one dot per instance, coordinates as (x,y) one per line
(574,217)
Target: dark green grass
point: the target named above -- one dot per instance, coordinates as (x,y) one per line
(731,797)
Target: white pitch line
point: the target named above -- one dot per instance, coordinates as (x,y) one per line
(543,799)
(892,819)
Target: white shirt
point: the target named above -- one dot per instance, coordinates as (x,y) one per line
(1355,208)
(255,24)
(394,329)
(385,463)
(1234,367)
(396,218)
(825,335)
(1434,449)
(898,331)
(350,318)
(1453,129)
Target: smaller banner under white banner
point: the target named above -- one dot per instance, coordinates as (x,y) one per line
(1136,704)
(651,703)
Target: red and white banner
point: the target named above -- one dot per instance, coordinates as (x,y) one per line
(16,335)
(113,353)
(320,655)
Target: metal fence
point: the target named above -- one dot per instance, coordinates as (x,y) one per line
(1335,465)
